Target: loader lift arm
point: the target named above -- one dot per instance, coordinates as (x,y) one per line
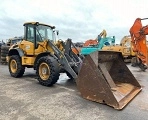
(138,35)
(64,58)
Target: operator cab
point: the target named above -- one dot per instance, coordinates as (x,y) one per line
(37,32)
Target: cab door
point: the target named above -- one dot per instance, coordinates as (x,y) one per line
(39,44)
(29,41)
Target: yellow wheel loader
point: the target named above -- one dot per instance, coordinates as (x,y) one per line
(101,76)
(125,48)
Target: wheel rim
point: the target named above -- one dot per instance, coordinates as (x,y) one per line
(13,66)
(44,71)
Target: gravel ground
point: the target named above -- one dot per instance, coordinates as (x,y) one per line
(25,99)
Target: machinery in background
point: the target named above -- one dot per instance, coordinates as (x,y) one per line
(5,48)
(125,48)
(1,44)
(14,40)
(90,42)
(102,76)
(77,48)
(138,34)
(79,44)
(100,41)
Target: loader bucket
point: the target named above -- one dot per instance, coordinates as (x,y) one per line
(105,78)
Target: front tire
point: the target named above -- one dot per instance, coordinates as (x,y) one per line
(15,66)
(47,71)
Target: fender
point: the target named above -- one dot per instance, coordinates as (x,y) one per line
(16,51)
(42,55)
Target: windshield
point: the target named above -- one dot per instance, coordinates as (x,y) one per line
(44,33)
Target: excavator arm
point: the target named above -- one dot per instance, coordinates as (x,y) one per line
(102,34)
(138,35)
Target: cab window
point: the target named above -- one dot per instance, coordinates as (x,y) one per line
(30,34)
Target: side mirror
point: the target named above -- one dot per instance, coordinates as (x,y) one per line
(57,32)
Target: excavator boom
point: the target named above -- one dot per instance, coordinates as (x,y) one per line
(138,34)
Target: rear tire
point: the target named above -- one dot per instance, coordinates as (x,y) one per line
(47,71)
(15,66)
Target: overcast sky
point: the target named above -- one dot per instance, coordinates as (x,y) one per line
(77,19)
